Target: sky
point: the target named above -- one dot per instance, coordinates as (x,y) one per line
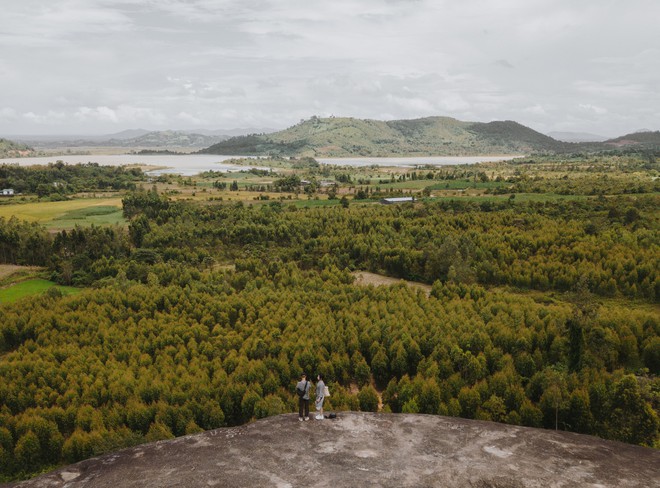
(103,66)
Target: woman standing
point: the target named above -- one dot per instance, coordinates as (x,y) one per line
(320,389)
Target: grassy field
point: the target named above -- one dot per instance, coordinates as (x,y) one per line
(65,215)
(97,215)
(519,197)
(11,273)
(30,288)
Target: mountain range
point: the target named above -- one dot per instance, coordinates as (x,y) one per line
(430,136)
(138,138)
(350,137)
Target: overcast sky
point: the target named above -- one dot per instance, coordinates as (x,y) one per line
(101,66)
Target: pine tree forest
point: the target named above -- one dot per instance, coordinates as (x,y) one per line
(202,314)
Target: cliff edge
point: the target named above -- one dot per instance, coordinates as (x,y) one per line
(364,449)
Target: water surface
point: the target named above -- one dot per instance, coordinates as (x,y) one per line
(192,164)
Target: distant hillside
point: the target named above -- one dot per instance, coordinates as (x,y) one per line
(649,138)
(439,136)
(172,139)
(576,137)
(131,138)
(515,136)
(10,149)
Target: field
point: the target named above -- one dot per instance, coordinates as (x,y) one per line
(31,288)
(9,270)
(68,214)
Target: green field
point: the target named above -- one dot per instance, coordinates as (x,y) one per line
(97,215)
(31,288)
(68,214)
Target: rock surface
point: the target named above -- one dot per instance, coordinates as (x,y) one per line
(363,449)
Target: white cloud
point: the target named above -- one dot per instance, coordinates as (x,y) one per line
(104,114)
(413,104)
(616,89)
(535,109)
(109,64)
(189,119)
(49,118)
(122,114)
(592,108)
(8,114)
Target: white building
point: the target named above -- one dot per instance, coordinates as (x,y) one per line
(388,201)
(8,192)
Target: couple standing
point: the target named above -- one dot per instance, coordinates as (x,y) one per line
(303,399)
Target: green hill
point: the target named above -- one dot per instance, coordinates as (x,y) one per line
(10,149)
(515,137)
(647,138)
(438,136)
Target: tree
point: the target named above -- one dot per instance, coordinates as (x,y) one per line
(271,405)
(137,229)
(552,401)
(469,400)
(368,399)
(492,409)
(633,419)
(576,343)
(578,414)
(28,452)
(429,398)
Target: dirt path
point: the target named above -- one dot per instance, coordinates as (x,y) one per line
(365,278)
(9,269)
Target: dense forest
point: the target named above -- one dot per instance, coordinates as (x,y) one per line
(199,315)
(59,179)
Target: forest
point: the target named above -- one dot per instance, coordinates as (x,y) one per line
(198,314)
(60,180)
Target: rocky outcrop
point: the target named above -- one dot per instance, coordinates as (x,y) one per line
(375,450)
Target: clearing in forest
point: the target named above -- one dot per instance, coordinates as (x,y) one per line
(364,278)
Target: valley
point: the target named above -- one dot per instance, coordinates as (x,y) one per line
(137,307)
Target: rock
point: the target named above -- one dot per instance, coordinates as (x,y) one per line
(364,449)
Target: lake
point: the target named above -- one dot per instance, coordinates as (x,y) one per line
(192,164)
(415,161)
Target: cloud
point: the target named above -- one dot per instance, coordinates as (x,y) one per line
(592,108)
(618,89)
(49,118)
(189,119)
(535,109)
(413,104)
(104,114)
(36,24)
(226,63)
(503,63)
(8,114)
(122,114)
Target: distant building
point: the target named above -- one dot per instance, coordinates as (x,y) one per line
(8,192)
(389,201)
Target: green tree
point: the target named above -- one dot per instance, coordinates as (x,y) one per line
(368,399)
(633,419)
(28,452)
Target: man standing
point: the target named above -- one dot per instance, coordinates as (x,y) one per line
(302,389)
